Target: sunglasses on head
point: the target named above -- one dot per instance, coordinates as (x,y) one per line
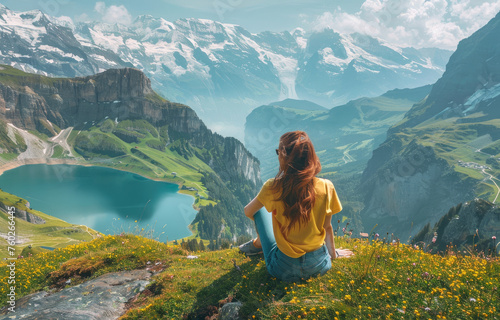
(277,152)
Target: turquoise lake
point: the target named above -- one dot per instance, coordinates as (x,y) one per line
(104,199)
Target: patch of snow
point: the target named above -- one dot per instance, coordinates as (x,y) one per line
(218,46)
(428,64)
(63,21)
(17,55)
(98,57)
(108,41)
(48,48)
(84,41)
(163,53)
(133,44)
(481,95)
(412,66)
(359,68)
(390,46)
(301,42)
(331,59)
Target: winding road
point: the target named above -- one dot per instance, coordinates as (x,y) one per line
(347,157)
(62,140)
(492,178)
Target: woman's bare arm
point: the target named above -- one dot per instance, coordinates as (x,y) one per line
(252,207)
(329,240)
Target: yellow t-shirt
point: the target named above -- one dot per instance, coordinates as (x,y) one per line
(310,236)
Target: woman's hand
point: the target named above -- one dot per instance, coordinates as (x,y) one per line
(344,253)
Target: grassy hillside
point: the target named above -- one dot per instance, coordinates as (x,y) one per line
(15,77)
(138,147)
(54,233)
(380,281)
(470,147)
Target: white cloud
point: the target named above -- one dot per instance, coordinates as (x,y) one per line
(100,7)
(113,14)
(64,21)
(417,23)
(83,18)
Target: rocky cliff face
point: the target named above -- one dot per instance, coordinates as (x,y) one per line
(238,161)
(22,214)
(118,93)
(404,191)
(471,223)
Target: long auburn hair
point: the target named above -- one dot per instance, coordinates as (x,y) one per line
(299,164)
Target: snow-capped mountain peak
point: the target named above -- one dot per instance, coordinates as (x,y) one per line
(215,66)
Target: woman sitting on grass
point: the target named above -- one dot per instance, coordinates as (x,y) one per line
(293,237)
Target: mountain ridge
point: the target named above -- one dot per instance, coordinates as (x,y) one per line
(444,151)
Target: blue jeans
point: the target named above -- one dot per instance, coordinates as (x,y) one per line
(280,265)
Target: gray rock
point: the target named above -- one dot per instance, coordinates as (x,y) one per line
(230,311)
(100,298)
(471,223)
(22,214)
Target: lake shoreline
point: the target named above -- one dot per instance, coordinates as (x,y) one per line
(68,161)
(51,161)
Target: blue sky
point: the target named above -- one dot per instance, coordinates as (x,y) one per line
(417,23)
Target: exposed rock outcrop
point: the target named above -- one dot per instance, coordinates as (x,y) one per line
(101,298)
(23,214)
(403,192)
(467,224)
